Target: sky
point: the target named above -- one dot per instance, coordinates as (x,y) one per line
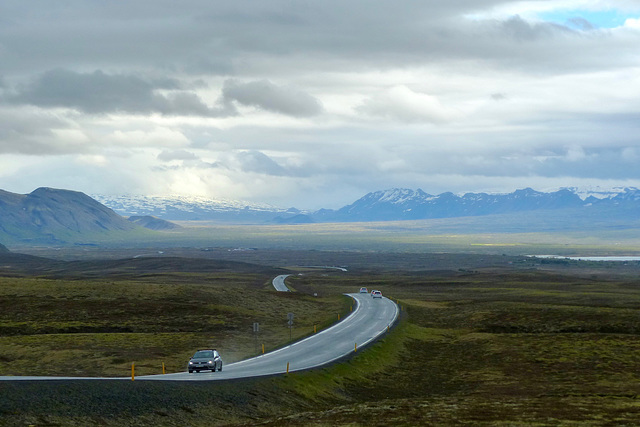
(313,104)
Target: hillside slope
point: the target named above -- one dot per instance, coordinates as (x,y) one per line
(50,215)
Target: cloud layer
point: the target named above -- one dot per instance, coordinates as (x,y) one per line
(312,104)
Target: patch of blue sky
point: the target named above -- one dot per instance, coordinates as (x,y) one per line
(611,18)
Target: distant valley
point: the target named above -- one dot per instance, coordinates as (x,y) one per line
(60,217)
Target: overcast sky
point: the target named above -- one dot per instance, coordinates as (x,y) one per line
(315,103)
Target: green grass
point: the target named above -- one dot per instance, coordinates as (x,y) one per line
(510,343)
(489,349)
(98,328)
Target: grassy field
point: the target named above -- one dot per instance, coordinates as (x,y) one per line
(482,341)
(99,327)
(535,232)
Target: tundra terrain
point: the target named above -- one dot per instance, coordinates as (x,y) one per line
(482,340)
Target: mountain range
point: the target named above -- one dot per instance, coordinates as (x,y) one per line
(388,205)
(193,208)
(406,204)
(55,216)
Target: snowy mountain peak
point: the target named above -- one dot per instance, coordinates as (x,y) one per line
(383,205)
(192,208)
(397,195)
(600,192)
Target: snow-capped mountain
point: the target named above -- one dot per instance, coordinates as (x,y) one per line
(600,192)
(388,205)
(407,204)
(193,208)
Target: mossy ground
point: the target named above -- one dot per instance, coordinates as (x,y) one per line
(99,328)
(515,346)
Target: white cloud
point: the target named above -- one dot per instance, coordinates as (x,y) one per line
(307,103)
(157,137)
(633,23)
(168,156)
(268,96)
(402,104)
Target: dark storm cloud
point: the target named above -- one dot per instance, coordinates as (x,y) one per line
(98,92)
(242,37)
(268,96)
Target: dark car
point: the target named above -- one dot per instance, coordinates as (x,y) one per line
(205,360)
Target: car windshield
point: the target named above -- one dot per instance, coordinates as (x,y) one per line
(203,354)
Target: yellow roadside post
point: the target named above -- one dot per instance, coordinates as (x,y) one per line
(338,316)
(163,371)
(287,367)
(351,308)
(262,348)
(133,372)
(314,329)
(355,348)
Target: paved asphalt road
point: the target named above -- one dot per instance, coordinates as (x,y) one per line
(369,320)
(279,284)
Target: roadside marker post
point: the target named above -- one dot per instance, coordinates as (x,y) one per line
(262,348)
(287,367)
(338,316)
(256,330)
(163,370)
(355,348)
(290,322)
(133,372)
(314,329)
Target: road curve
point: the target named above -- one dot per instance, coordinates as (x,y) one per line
(369,319)
(279,284)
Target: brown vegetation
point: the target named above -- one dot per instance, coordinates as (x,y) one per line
(511,344)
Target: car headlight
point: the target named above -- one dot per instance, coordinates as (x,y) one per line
(190,362)
(210,361)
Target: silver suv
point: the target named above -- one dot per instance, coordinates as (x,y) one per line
(205,360)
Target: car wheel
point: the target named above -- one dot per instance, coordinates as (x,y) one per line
(191,371)
(220,369)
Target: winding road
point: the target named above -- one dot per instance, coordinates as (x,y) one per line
(279,285)
(369,320)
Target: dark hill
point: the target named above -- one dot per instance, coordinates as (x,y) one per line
(153,223)
(296,219)
(16,264)
(50,215)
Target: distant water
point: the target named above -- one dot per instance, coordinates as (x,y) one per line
(591,258)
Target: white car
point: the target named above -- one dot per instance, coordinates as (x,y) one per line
(376,294)
(363,290)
